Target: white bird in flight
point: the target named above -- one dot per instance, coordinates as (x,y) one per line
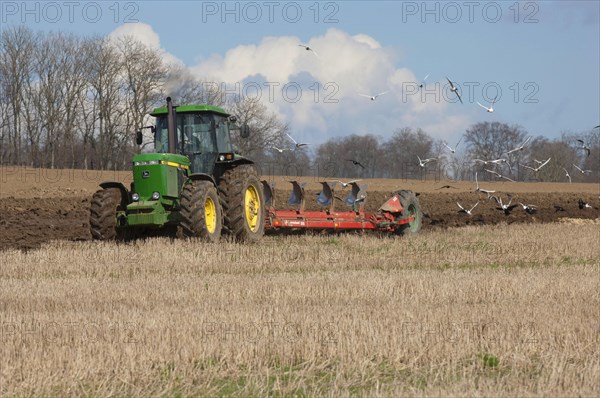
(423,163)
(453,150)
(298,145)
(499,175)
(582,171)
(454,89)
(529,209)
(486,191)
(520,147)
(345,184)
(463,210)
(535,170)
(373,97)
(567,174)
(308,48)
(585,147)
(279,150)
(491,108)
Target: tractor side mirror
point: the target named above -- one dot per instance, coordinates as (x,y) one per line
(138,137)
(244,131)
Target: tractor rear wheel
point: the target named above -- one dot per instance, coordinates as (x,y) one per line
(243,203)
(411,207)
(103,215)
(201,215)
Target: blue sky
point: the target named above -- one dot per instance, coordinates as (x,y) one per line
(543,55)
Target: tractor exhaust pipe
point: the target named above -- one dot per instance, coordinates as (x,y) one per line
(171,118)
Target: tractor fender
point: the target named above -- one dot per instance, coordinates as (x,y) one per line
(202,177)
(125,200)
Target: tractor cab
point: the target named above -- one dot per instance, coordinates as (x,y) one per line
(202,133)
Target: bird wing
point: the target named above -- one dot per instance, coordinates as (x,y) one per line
(314,52)
(474,206)
(303,45)
(577,167)
(458,95)
(493,172)
(365,95)
(527,167)
(462,208)
(451,85)
(292,138)
(425,78)
(448,147)
(545,163)
(494,100)
(526,141)
(459,140)
(385,92)
(597,126)
(588,151)
(484,107)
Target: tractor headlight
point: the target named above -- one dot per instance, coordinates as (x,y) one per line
(135,197)
(155,195)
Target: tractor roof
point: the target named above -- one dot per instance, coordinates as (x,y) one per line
(190,109)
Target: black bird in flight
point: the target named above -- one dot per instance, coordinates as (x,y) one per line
(356,163)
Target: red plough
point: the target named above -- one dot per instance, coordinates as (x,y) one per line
(401,214)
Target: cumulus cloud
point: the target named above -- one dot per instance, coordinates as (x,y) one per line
(146,35)
(319,95)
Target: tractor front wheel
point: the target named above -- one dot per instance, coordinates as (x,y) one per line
(201,215)
(243,203)
(103,215)
(411,207)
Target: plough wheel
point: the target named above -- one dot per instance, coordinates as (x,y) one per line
(411,206)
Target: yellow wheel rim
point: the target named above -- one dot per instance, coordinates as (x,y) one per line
(252,207)
(210,215)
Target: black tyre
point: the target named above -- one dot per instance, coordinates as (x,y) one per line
(243,203)
(201,214)
(411,206)
(103,215)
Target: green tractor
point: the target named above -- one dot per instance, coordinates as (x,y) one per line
(194,183)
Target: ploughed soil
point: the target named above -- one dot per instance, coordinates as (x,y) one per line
(29,219)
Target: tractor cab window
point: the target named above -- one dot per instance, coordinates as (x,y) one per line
(223,140)
(161,136)
(197,135)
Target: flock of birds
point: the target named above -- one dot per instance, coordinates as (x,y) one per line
(424,162)
(507,208)
(539,164)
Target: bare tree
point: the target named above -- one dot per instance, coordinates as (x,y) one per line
(266,129)
(349,157)
(145,75)
(490,141)
(17,48)
(401,151)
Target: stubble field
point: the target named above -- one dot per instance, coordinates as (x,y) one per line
(505,305)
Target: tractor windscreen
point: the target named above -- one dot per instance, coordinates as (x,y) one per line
(199,136)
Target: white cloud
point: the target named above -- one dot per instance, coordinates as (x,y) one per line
(330,82)
(146,35)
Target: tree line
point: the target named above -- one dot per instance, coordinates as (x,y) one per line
(76,102)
